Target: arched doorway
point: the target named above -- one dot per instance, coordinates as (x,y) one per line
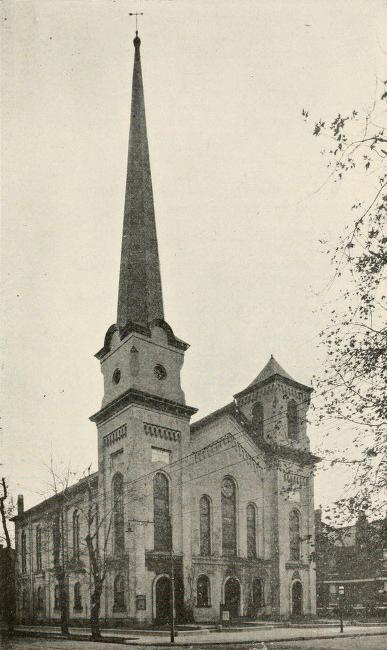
(163,599)
(232,597)
(297,598)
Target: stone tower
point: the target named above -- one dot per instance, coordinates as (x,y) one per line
(143,423)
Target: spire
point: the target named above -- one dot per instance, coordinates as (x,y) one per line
(139,296)
(272,368)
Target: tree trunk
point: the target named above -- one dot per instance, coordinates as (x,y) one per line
(64,614)
(94,612)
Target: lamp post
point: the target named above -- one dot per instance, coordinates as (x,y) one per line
(172,585)
(341,594)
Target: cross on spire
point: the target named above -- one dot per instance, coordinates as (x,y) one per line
(136,14)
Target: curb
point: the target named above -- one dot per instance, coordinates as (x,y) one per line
(136,642)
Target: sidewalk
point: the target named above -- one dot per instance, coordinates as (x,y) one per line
(215,637)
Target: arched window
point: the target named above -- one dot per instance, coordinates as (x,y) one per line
(77,596)
(251,531)
(118,513)
(24,600)
(119,594)
(258,593)
(161,516)
(23,552)
(229,545)
(76,534)
(39,548)
(294,535)
(203,592)
(292,420)
(205,526)
(39,598)
(56,597)
(57,539)
(257,414)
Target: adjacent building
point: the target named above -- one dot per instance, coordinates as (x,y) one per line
(355,559)
(227,500)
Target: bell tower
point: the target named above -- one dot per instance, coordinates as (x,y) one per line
(143,423)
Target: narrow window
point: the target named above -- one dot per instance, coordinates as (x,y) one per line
(228,517)
(118,514)
(257,414)
(23,552)
(39,599)
(294,535)
(39,548)
(258,593)
(203,592)
(57,539)
(251,531)
(57,597)
(161,517)
(205,526)
(24,600)
(292,420)
(76,534)
(77,596)
(119,594)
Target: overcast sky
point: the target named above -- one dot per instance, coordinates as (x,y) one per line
(239,195)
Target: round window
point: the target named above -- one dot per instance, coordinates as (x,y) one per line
(116,375)
(160,372)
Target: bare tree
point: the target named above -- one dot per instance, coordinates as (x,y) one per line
(7,560)
(353,382)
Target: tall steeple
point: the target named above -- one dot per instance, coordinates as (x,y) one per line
(140,299)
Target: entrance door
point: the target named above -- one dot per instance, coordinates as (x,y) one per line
(296,599)
(163,600)
(232,597)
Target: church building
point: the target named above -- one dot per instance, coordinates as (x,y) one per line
(224,504)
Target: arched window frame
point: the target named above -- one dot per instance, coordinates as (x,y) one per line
(205,527)
(119,593)
(295,548)
(251,530)
(77,596)
(118,513)
(24,602)
(258,418)
(203,591)
(229,523)
(292,417)
(23,551)
(162,526)
(38,549)
(76,534)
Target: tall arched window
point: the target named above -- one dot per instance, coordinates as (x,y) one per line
(161,516)
(24,600)
(229,545)
(77,596)
(294,535)
(118,513)
(76,534)
(203,592)
(23,552)
(205,526)
(39,548)
(119,594)
(257,414)
(57,538)
(292,420)
(251,531)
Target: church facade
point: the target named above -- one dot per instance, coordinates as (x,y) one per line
(224,504)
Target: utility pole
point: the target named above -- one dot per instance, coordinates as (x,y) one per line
(172,585)
(341,594)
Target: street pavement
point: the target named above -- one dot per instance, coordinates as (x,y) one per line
(347,643)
